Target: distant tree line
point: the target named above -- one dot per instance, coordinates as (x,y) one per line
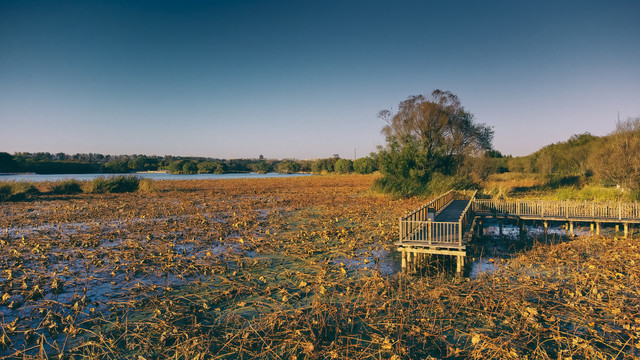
(60,163)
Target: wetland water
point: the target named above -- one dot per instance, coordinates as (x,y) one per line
(153,176)
(298,267)
(493,247)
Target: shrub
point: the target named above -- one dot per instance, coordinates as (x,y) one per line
(5,192)
(67,187)
(413,185)
(16,191)
(146,185)
(118,184)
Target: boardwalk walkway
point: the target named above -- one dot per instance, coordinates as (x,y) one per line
(445,225)
(452,212)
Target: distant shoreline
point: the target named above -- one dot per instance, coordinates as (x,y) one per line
(144,175)
(153,172)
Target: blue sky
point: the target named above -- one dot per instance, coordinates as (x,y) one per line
(305,79)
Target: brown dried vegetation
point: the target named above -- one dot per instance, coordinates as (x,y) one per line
(288,268)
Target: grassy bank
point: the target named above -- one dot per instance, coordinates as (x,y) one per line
(289,268)
(21,190)
(526,185)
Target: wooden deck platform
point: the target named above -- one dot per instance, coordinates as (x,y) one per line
(446,224)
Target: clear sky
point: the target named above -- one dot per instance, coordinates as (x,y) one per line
(305,79)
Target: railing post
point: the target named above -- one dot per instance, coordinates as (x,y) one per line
(400,229)
(619,210)
(459,233)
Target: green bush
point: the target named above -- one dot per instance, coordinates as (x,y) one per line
(414,186)
(67,187)
(118,184)
(16,191)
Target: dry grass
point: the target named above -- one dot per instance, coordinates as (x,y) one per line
(288,268)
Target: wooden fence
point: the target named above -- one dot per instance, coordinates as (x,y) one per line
(560,209)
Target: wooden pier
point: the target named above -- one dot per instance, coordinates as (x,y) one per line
(445,225)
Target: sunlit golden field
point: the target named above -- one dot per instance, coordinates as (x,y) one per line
(289,268)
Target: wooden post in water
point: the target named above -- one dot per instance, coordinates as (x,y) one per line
(571,228)
(617,229)
(404,259)
(591,231)
(546,226)
(597,228)
(626,230)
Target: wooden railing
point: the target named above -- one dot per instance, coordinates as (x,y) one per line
(412,223)
(466,216)
(438,204)
(416,227)
(560,209)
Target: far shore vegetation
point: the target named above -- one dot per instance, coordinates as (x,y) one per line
(432,145)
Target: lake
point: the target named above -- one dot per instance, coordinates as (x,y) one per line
(154,176)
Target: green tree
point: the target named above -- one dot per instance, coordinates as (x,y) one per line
(287,167)
(211,167)
(263,167)
(7,163)
(343,166)
(364,165)
(190,167)
(116,166)
(175,167)
(321,165)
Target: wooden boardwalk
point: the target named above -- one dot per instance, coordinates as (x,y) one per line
(446,224)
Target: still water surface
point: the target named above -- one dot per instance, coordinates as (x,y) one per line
(154,176)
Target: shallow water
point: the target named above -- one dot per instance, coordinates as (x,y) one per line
(153,176)
(492,248)
(371,258)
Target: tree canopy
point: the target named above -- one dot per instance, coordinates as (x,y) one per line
(428,135)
